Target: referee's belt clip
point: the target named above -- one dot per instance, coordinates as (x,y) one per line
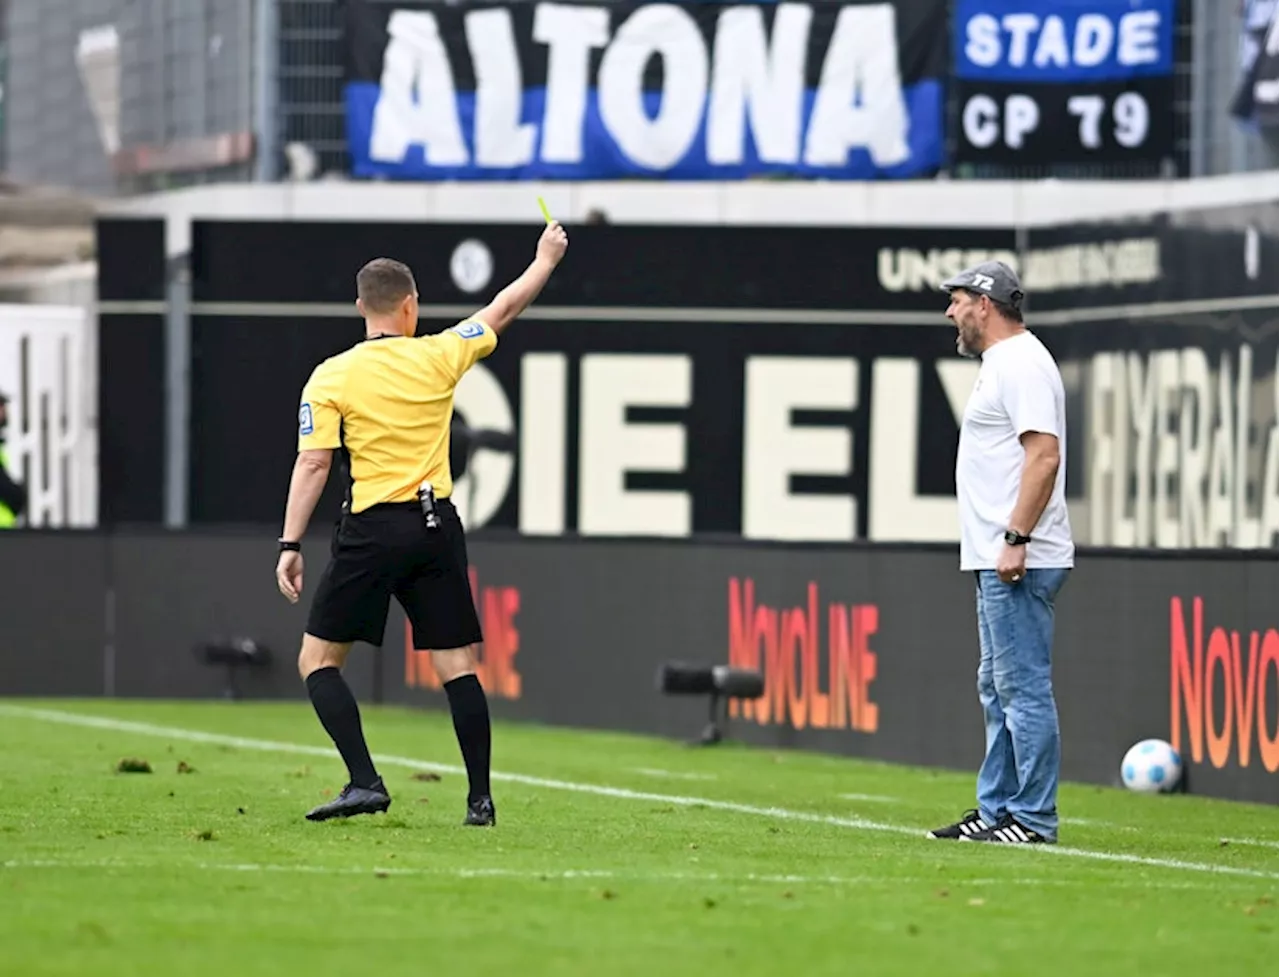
(427,500)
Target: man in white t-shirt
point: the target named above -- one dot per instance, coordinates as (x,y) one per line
(1016,540)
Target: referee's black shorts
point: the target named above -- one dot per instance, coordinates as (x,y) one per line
(385,551)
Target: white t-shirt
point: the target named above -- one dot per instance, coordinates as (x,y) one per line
(1019,389)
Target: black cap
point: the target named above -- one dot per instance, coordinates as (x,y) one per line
(993,278)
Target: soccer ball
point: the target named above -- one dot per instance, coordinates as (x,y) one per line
(1151,767)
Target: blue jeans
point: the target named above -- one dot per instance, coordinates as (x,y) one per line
(1019,774)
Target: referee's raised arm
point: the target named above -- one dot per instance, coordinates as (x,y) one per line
(516,297)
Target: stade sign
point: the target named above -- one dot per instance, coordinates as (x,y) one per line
(1059,81)
(591,91)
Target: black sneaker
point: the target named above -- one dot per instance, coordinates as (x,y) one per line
(971,823)
(1008,832)
(354,800)
(480,812)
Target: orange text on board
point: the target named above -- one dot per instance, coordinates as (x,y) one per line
(496,665)
(1219,689)
(777,640)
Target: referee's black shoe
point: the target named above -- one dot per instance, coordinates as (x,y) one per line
(354,800)
(480,812)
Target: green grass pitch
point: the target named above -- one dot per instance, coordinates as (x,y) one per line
(613,855)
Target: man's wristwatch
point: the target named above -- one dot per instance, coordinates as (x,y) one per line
(286,544)
(1014,539)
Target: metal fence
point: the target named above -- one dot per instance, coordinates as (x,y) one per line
(120,96)
(311,112)
(114,96)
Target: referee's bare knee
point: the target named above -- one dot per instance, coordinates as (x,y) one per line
(453,663)
(317,653)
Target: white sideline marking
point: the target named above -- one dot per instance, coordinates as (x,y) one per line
(672,774)
(505,873)
(570,875)
(870,797)
(1261,842)
(275,746)
(779,813)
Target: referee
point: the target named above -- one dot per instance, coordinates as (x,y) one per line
(386,404)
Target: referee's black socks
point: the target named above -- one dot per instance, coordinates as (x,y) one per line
(340,716)
(470,711)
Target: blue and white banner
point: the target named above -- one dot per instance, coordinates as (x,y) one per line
(1255,103)
(583,91)
(1064,81)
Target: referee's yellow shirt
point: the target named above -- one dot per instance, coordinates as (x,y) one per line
(388,401)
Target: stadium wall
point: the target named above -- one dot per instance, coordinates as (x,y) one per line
(802,386)
(913,203)
(867,651)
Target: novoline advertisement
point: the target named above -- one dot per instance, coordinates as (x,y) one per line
(1183,650)
(1147,645)
(787,384)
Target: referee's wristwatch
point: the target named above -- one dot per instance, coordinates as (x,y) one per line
(288,544)
(1014,538)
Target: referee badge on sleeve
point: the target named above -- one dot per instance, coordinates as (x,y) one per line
(305,423)
(469,330)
